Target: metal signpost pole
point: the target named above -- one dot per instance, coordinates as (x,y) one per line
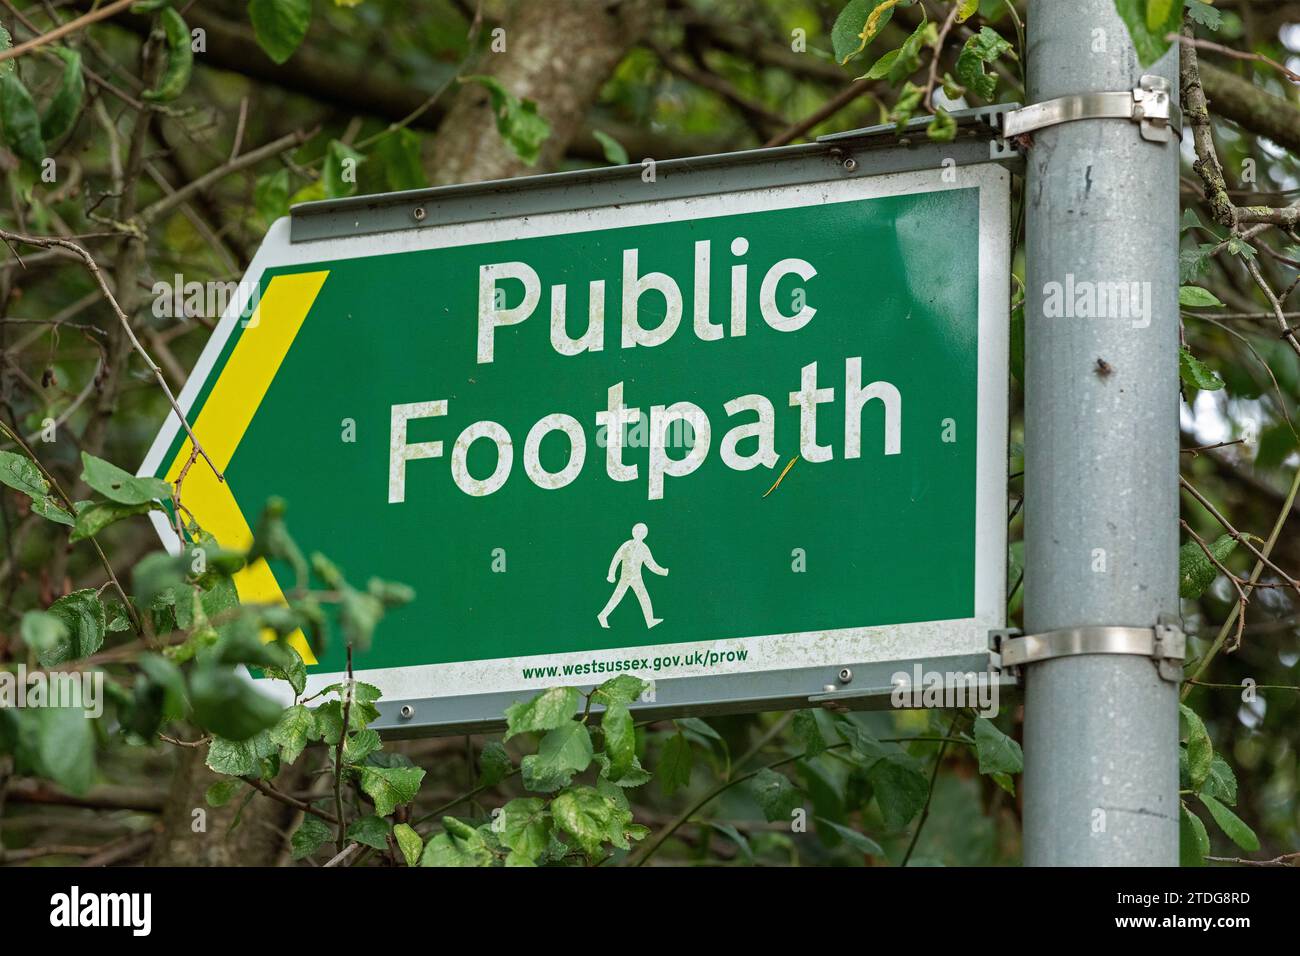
(1101,445)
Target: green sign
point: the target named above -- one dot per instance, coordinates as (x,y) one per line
(717,435)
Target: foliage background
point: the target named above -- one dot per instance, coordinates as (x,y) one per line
(162,171)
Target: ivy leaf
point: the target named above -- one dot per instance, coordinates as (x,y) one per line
(1196,373)
(390,787)
(1193,841)
(1231,824)
(1200,752)
(587,815)
(309,837)
(518,122)
(279,25)
(550,709)
(371,831)
(1149,22)
(997,752)
(675,763)
(409,842)
(1196,297)
(900,787)
(1196,571)
(776,795)
(525,827)
(620,739)
(117,485)
(1204,14)
(295,729)
(22,125)
(84,620)
(563,752)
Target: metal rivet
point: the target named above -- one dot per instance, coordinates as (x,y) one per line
(846,675)
(407,712)
(829,688)
(850,164)
(418,214)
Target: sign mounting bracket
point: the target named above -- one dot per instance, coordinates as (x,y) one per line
(1165,644)
(1148,104)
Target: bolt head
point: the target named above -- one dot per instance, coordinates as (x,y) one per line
(845,675)
(407,711)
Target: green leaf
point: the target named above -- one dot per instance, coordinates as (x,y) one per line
(6,41)
(1220,781)
(1018,343)
(399,155)
(550,709)
(339,176)
(271,196)
(776,795)
(51,510)
(309,837)
(1231,824)
(808,733)
(623,689)
(1196,571)
(900,788)
(222,792)
(64,108)
(942,128)
(858,24)
(1195,296)
(1193,263)
(493,764)
(391,787)
(279,25)
(18,117)
(966,9)
(674,770)
(860,842)
(240,758)
(117,485)
(1193,841)
(98,515)
(1200,752)
(518,122)
(44,632)
(982,48)
(20,473)
(294,730)
(563,752)
(614,152)
(1204,14)
(180,59)
(1196,373)
(460,845)
(409,842)
(997,752)
(83,617)
(66,746)
(228,705)
(371,831)
(620,739)
(360,745)
(293,670)
(525,827)
(587,815)
(1149,22)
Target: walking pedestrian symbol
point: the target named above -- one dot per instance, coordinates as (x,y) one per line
(631,557)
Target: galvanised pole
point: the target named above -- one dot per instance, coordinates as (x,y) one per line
(1101,452)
